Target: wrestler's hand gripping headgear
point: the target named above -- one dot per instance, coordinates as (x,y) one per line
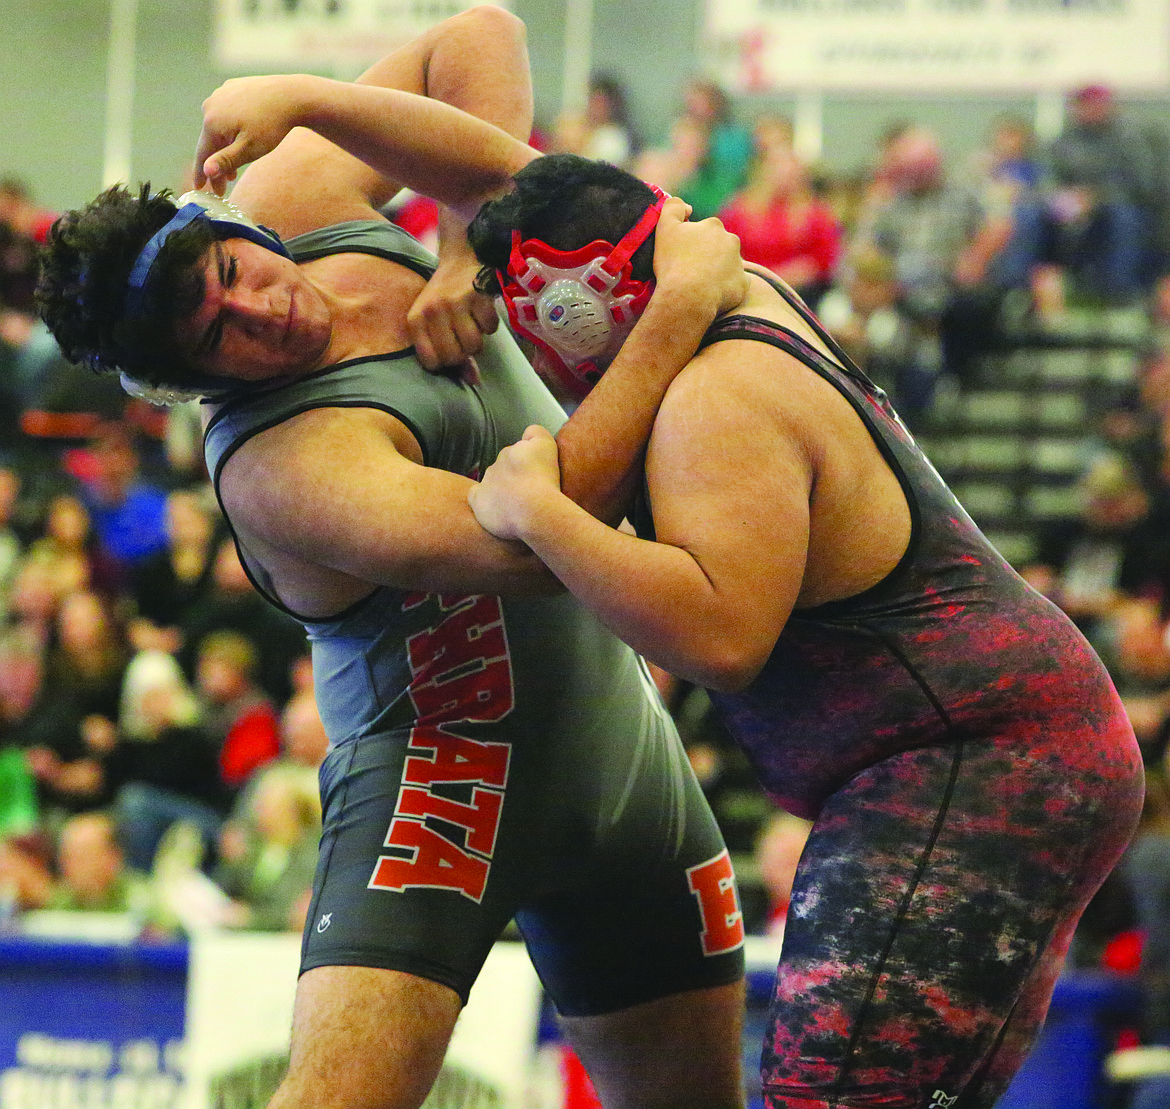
(573,303)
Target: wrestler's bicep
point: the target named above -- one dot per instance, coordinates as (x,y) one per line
(339,488)
(730,484)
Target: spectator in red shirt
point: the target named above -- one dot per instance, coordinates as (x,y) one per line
(236,711)
(783,225)
(21,213)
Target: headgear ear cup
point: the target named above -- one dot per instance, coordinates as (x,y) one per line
(577,316)
(571,303)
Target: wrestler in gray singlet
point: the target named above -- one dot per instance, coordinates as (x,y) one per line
(492,758)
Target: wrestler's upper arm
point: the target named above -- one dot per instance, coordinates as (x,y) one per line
(308,182)
(344,489)
(730,481)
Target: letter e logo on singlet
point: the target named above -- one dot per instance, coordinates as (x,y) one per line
(713,884)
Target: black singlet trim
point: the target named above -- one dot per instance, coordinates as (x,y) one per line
(404,258)
(786,340)
(308,406)
(246,395)
(844,362)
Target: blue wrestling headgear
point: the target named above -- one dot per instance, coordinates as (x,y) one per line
(227,220)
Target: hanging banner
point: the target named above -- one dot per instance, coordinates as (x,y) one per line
(1018,45)
(86,1022)
(301,34)
(239,1015)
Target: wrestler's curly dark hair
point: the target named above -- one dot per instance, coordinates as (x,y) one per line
(568,202)
(81,287)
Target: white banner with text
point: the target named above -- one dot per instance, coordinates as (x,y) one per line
(918,45)
(299,34)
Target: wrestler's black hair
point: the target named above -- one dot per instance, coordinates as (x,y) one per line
(567,202)
(81,287)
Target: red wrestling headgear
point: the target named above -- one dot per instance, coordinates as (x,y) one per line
(573,303)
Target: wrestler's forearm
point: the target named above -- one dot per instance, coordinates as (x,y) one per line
(656,597)
(422,143)
(475,61)
(699,275)
(602,446)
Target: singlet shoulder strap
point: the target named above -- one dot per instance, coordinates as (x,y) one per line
(377,237)
(753,327)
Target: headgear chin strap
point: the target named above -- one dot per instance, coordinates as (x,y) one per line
(573,303)
(228,221)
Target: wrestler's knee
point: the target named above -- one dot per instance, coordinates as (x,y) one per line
(679,1051)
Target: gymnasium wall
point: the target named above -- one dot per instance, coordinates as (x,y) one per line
(53,82)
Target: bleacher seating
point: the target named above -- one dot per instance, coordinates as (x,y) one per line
(1012,442)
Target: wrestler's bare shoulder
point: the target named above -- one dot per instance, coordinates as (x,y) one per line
(750,367)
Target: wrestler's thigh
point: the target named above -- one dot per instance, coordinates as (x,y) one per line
(644,916)
(365,1038)
(931,889)
(431,907)
(683,1050)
